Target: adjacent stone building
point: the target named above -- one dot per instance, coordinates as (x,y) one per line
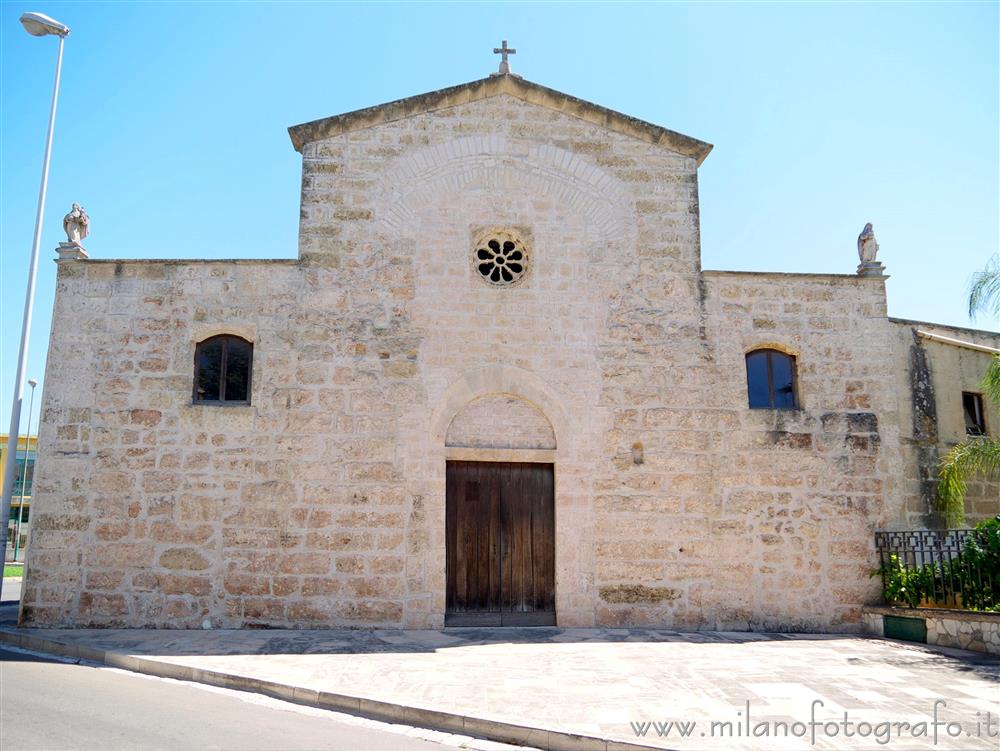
(496,387)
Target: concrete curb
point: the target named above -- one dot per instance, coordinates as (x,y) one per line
(504,732)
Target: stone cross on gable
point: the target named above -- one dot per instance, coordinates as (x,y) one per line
(503,50)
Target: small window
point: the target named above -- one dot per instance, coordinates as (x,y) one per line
(972,404)
(222,368)
(771,380)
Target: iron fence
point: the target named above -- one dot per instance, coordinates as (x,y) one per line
(927,568)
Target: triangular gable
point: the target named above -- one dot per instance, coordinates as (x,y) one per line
(496,85)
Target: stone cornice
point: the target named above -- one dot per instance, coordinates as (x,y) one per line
(484,88)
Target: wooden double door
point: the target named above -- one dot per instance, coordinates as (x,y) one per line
(500,533)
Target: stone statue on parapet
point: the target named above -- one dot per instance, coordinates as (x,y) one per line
(867,247)
(867,250)
(76,224)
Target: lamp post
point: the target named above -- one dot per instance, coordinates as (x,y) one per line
(39,25)
(24,470)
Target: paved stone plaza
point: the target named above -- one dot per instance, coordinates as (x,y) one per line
(553,683)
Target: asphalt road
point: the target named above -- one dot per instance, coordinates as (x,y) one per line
(52,705)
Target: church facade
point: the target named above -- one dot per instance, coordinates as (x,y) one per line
(495,387)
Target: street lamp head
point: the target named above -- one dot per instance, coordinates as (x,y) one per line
(39,25)
(32,382)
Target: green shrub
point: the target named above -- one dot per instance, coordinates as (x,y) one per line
(980,565)
(905,585)
(975,574)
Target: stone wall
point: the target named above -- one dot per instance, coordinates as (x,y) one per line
(610,223)
(959,629)
(930,378)
(795,496)
(500,421)
(323,501)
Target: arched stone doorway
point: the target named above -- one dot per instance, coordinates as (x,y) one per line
(500,514)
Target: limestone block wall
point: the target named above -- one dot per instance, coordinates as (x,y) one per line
(500,421)
(930,378)
(152,511)
(959,629)
(795,496)
(323,501)
(610,223)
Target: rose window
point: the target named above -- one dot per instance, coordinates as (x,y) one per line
(500,259)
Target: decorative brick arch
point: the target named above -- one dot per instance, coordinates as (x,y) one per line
(493,380)
(493,162)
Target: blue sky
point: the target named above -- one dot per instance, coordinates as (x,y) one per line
(172,120)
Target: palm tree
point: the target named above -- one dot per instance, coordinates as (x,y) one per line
(978,455)
(984,292)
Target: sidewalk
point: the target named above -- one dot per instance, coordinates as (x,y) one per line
(556,688)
